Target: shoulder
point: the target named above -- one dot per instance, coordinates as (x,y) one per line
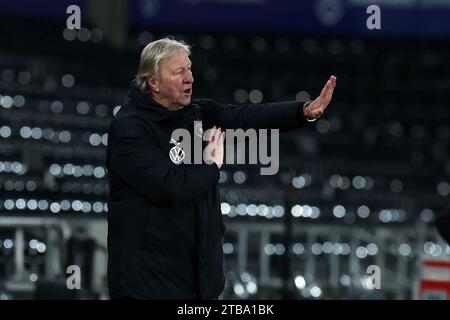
(128,122)
(208,106)
(204,102)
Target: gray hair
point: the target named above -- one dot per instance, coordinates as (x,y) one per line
(152,55)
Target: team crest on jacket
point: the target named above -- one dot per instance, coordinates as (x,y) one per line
(176,153)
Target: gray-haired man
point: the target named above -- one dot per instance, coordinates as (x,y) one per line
(165,226)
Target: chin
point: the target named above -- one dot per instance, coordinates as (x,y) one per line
(185,102)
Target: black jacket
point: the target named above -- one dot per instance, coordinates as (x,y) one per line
(165,227)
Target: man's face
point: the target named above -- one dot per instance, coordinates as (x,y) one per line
(175,81)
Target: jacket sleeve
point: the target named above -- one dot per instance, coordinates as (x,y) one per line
(284,116)
(136,159)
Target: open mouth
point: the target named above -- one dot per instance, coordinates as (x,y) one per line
(188,91)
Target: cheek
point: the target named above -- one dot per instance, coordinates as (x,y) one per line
(175,88)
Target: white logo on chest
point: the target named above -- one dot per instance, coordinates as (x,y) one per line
(176,153)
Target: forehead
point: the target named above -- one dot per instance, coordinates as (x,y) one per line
(177,60)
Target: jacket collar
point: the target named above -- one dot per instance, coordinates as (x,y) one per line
(153,109)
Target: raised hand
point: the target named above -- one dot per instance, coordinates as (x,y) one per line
(214,150)
(317,107)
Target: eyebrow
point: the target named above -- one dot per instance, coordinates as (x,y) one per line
(181,68)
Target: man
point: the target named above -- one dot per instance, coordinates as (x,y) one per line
(165,226)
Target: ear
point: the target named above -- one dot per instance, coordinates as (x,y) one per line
(153,83)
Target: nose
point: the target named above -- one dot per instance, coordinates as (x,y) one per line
(189,77)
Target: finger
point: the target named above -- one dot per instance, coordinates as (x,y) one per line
(220,145)
(212,134)
(319,111)
(221,139)
(329,96)
(316,105)
(326,89)
(333,79)
(217,136)
(333,83)
(222,142)
(324,101)
(318,114)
